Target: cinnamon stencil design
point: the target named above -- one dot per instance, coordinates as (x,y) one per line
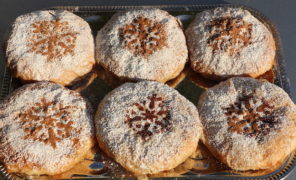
(149,117)
(143,36)
(229,34)
(251,117)
(52,39)
(47,122)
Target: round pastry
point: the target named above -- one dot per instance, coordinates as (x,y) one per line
(147,127)
(44,129)
(51,45)
(227,42)
(248,124)
(146,44)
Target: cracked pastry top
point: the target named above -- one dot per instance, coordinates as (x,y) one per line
(248,124)
(226,42)
(50,45)
(44,129)
(147,127)
(146,44)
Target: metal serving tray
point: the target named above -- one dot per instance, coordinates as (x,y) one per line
(97,16)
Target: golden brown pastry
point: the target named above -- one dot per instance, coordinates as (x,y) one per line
(226,42)
(248,124)
(44,129)
(51,45)
(147,127)
(146,44)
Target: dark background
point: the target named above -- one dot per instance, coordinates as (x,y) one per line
(281,12)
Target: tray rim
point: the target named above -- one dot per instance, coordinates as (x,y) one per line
(283,171)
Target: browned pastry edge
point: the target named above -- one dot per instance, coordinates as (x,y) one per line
(28,168)
(115,81)
(205,83)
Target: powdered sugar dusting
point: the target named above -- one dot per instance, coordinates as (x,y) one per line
(43,45)
(158,150)
(52,38)
(241,147)
(45,125)
(154,53)
(149,117)
(228,42)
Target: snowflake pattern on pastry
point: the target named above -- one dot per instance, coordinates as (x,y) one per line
(229,34)
(53,39)
(143,36)
(149,117)
(47,122)
(251,117)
